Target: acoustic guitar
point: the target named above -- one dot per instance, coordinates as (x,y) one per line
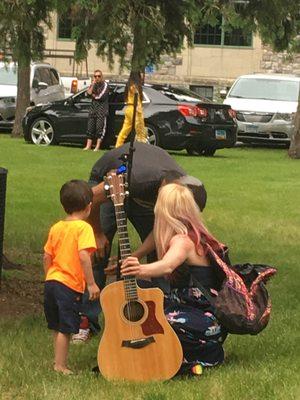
(137,344)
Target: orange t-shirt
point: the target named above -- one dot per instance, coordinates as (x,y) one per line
(65,240)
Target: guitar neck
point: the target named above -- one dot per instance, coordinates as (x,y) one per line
(122,232)
(130,284)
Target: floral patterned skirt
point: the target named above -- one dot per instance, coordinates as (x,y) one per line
(192,317)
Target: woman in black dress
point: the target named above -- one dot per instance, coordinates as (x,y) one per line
(181,238)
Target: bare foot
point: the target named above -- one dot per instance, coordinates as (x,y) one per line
(63,370)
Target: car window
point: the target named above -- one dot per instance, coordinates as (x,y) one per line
(82,98)
(8,75)
(45,76)
(36,79)
(111,90)
(117,95)
(266,89)
(145,98)
(181,94)
(54,76)
(36,75)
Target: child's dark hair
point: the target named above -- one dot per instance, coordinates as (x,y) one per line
(75,195)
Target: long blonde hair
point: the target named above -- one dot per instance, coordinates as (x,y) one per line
(176,212)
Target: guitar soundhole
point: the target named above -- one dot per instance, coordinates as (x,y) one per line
(133,311)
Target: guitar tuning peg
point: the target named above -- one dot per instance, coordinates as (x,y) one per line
(126,193)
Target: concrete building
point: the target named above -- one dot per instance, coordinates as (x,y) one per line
(216,59)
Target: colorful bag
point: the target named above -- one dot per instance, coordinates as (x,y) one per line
(242,305)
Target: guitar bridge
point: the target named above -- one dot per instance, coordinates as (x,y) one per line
(138,343)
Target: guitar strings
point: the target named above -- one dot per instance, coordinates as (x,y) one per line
(124,254)
(130,287)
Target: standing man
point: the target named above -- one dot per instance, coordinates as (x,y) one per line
(98,90)
(152,167)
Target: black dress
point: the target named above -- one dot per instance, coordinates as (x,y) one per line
(192,317)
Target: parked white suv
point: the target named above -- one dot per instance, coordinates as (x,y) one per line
(265,105)
(45,87)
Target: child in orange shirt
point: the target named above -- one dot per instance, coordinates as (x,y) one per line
(67,265)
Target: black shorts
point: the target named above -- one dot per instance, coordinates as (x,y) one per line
(62,307)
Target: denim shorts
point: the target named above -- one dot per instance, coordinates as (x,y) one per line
(62,307)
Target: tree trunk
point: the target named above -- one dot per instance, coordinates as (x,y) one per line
(139,47)
(294,150)
(23,96)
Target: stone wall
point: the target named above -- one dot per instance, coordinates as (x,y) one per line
(282,63)
(166,72)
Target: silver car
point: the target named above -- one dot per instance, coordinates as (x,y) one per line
(45,87)
(265,106)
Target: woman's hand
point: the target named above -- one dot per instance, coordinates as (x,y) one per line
(131,266)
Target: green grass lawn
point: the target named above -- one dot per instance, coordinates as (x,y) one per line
(253,206)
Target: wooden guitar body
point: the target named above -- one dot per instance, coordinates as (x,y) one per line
(138,344)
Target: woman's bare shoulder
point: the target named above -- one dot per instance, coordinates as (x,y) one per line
(183,241)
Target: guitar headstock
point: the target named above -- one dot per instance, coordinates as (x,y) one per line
(115,186)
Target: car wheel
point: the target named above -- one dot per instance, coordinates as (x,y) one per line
(209,152)
(152,136)
(42,132)
(193,151)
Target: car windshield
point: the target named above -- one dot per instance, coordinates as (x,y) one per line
(266,89)
(181,94)
(8,75)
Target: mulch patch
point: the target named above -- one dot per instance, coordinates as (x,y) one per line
(23,295)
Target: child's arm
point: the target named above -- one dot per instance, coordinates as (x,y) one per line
(85,260)
(47,261)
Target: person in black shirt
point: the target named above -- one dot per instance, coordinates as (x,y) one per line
(98,90)
(152,167)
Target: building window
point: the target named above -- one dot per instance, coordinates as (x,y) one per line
(209,34)
(65,26)
(217,36)
(237,37)
(204,91)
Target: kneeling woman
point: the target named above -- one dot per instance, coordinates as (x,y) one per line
(180,238)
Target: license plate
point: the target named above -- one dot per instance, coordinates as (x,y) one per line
(252,128)
(220,134)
